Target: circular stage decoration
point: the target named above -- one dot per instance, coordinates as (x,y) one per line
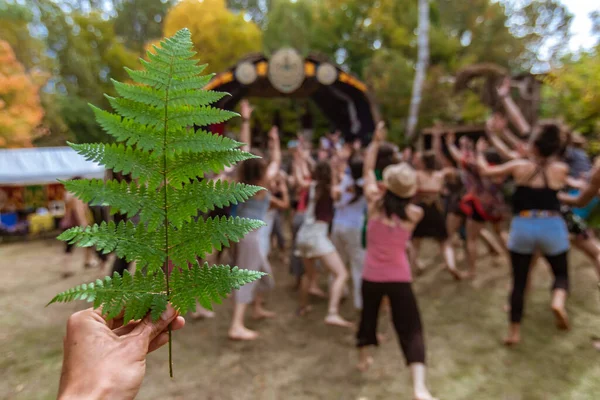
(245,73)
(326,74)
(286,70)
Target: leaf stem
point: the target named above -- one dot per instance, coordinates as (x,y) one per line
(166,220)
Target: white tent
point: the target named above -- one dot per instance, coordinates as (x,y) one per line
(44,165)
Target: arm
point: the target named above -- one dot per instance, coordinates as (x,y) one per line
(284,202)
(585,196)
(275,153)
(512,110)
(245,134)
(511,138)
(496,124)
(80,213)
(437,146)
(454,151)
(370,182)
(492,171)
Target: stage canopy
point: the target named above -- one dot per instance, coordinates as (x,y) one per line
(44,165)
(342,97)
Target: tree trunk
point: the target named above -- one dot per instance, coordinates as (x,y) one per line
(421,70)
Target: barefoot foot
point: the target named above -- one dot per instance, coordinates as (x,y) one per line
(512,340)
(423,394)
(242,333)
(458,276)
(596,344)
(337,320)
(261,313)
(364,365)
(202,313)
(317,292)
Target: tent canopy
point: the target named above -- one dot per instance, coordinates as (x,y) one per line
(38,166)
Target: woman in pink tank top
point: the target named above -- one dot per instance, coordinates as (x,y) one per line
(392,220)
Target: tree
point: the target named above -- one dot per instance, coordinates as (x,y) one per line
(139,21)
(573,91)
(421,70)
(20,109)
(220,37)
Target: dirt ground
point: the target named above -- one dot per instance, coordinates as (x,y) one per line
(301,358)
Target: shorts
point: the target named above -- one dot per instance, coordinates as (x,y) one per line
(313,240)
(547,234)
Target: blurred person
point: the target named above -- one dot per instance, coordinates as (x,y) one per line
(313,244)
(430,183)
(537,223)
(348,221)
(249,253)
(104,359)
(392,219)
(77,213)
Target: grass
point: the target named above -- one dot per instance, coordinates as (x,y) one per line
(301,358)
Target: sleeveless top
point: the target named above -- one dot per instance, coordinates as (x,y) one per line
(386,259)
(528,198)
(254,208)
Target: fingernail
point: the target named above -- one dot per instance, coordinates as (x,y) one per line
(168,314)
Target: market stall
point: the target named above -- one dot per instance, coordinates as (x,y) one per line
(31,198)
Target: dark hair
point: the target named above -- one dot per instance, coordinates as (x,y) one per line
(252,171)
(394,205)
(322,176)
(356,171)
(548,141)
(386,156)
(429,161)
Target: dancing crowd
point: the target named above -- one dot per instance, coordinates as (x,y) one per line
(359,215)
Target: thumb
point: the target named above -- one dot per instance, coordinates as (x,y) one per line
(149,330)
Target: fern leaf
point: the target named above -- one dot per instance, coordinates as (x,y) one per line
(129,131)
(204,196)
(181,116)
(200,142)
(134,243)
(207,285)
(136,296)
(197,239)
(123,159)
(146,115)
(186,166)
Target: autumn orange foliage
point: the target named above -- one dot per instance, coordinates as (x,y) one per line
(20,110)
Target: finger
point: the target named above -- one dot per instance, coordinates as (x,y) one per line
(150,330)
(163,337)
(125,330)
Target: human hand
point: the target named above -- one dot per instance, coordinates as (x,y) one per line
(380,132)
(246,109)
(504,88)
(451,138)
(106,360)
(496,123)
(274,133)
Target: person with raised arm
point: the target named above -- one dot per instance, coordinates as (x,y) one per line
(391,221)
(537,223)
(249,252)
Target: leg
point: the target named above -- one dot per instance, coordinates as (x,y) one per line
(453,223)
(305,281)
(591,248)
(448,254)
(473,231)
(414,251)
(334,264)
(238,330)
(259,312)
(520,266)
(560,288)
(407,323)
(357,259)
(367,331)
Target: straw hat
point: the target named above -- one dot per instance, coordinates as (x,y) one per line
(401,180)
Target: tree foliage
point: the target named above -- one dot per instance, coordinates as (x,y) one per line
(153,121)
(20,108)
(221,36)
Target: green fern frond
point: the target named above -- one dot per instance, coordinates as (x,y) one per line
(126,160)
(134,243)
(207,285)
(204,196)
(197,239)
(129,131)
(201,142)
(164,156)
(185,166)
(135,295)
